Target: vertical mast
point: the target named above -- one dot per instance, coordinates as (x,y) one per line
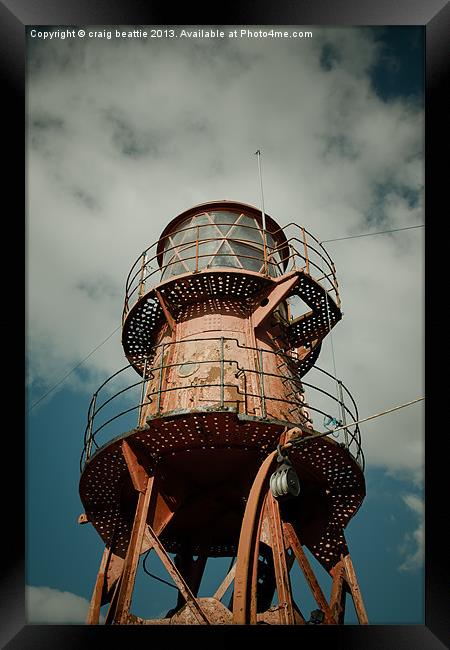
(263,214)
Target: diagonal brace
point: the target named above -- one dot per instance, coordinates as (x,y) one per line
(279,290)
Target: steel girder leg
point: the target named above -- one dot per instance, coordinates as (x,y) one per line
(344,581)
(120,604)
(293,541)
(93,616)
(354,590)
(283,584)
(338,592)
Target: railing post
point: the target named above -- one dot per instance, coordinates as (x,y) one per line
(222,374)
(336,285)
(305,247)
(141,280)
(91,423)
(292,258)
(142,391)
(161,365)
(263,396)
(343,418)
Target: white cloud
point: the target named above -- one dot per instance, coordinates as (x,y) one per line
(413,544)
(124,135)
(48,605)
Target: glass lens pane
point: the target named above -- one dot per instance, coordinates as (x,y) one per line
(205,253)
(246,234)
(224,220)
(247,251)
(178,237)
(190,263)
(247,221)
(209,232)
(224,257)
(190,234)
(250,258)
(186,252)
(225,260)
(176,269)
(173,268)
(168,258)
(200,219)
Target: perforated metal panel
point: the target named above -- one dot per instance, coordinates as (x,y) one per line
(337,475)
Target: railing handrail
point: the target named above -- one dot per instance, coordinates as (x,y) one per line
(94,408)
(224,269)
(142,263)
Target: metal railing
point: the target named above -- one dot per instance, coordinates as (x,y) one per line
(332,400)
(300,251)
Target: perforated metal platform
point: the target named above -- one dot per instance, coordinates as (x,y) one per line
(330,479)
(325,313)
(195,294)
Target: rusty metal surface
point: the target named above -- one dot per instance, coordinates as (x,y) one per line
(338,592)
(191,602)
(192,570)
(113,572)
(216,612)
(206,447)
(222,362)
(214,373)
(138,474)
(294,543)
(180,295)
(245,579)
(279,290)
(272,617)
(93,615)
(120,605)
(355,590)
(186,297)
(283,584)
(159,514)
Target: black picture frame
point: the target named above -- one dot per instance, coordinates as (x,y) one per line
(434,16)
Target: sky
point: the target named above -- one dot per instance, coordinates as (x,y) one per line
(123,135)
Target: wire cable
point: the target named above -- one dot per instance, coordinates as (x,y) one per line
(58,383)
(50,390)
(169,584)
(368,234)
(296,443)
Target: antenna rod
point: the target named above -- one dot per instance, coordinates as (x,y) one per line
(263,214)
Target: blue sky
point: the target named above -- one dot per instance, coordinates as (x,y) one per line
(122,136)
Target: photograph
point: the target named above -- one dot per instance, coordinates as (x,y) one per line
(126,130)
(225,325)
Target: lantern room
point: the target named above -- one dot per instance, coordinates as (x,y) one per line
(222,234)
